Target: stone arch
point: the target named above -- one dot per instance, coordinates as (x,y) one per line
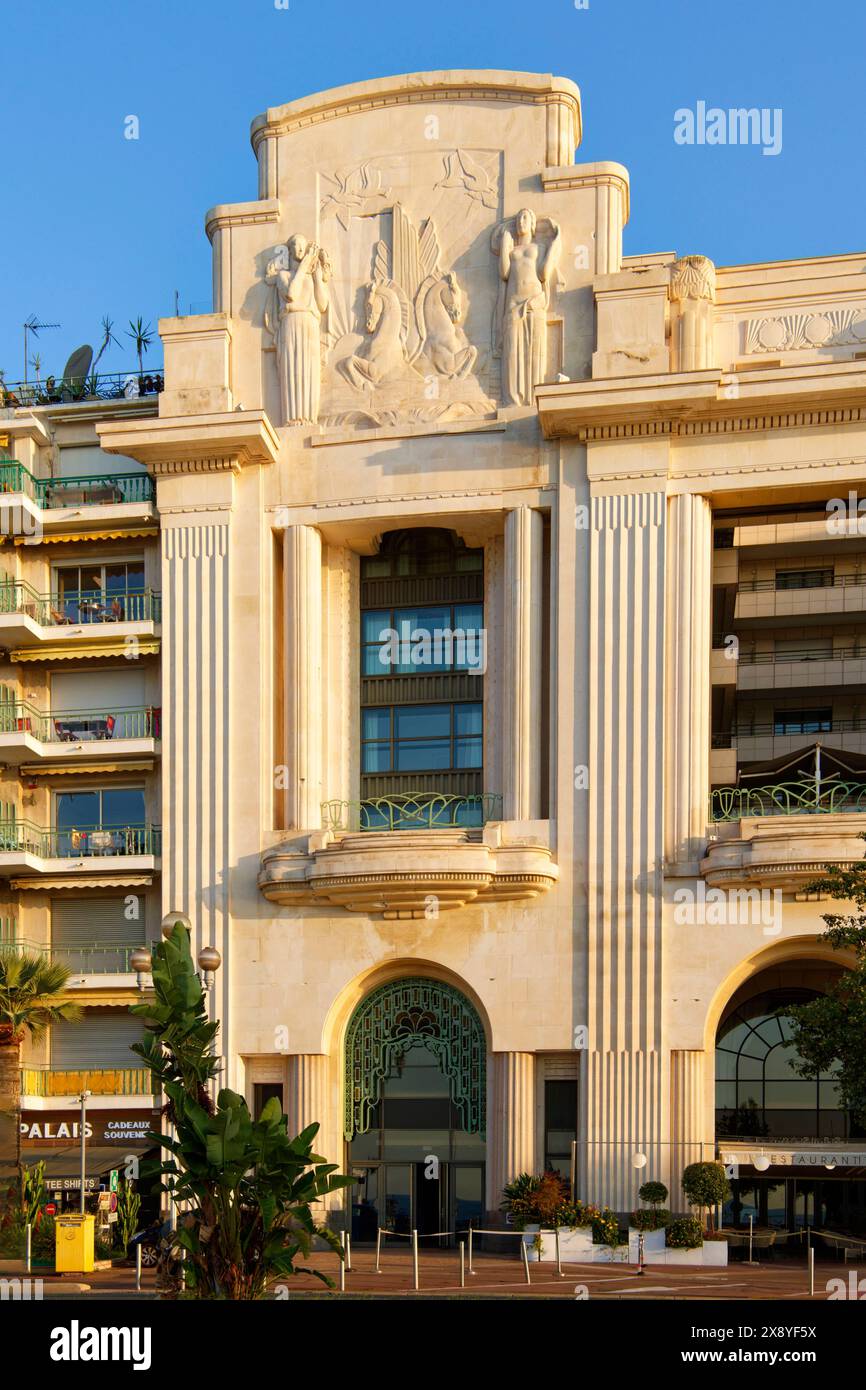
(404,1012)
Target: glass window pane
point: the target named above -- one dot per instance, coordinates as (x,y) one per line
(467,719)
(422,721)
(376,722)
(434,754)
(373,624)
(376,757)
(77,810)
(468,753)
(123,806)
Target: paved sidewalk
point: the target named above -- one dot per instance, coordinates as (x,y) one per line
(501,1277)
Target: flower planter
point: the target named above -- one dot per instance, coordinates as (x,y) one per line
(575,1246)
(713,1253)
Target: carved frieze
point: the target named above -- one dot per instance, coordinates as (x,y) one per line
(844,327)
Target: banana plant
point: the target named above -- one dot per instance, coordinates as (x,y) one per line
(245,1189)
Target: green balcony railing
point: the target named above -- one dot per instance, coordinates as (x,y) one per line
(94,489)
(75,607)
(95,958)
(79,726)
(100,1081)
(412,811)
(79,842)
(803,798)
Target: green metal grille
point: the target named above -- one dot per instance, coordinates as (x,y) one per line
(398,1016)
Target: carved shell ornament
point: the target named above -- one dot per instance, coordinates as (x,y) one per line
(693,277)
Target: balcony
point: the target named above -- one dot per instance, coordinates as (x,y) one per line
(411,856)
(101,1081)
(75,623)
(33,850)
(787,850)
(97,386)
(760,742)
(812,668)
(66,508)
(66,738)
(96,958)
(837,596)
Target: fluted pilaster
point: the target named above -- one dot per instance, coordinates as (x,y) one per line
(687,694)
(524,536)
(513,1136)
(302,606)
(690,1141)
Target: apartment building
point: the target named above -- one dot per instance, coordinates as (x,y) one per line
(80,738)
(505,615)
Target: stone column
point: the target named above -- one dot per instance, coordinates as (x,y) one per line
(689,576)
(196,723)
(625,1094)
(512,1124)
(693,288)
(310,1099)
(690,1143)
(302,665)
(524,532)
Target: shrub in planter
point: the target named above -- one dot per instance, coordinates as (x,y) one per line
(684,1233)
(704,1186)
(653,1193)
(650,1218)
(605,1228)
(518,1199)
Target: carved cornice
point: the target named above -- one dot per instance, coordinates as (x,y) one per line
(216,443)
(604,175)
(482,85)
(225,215)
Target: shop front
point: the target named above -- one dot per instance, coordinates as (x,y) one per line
(114,1140)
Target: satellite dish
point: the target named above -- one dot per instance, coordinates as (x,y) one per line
(76,369)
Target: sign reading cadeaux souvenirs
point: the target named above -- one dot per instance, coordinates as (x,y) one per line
(59,1128)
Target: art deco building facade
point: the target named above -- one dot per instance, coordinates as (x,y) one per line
(462,886)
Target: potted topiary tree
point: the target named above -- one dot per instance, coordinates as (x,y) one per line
(705,1186)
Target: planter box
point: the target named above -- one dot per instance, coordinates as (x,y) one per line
(713,1253)
(575,1247)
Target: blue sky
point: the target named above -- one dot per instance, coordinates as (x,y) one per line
(97,224)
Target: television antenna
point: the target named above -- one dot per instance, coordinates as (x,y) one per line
(33,325)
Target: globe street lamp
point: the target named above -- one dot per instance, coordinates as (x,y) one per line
(142,963)
(173,919)
(209,962)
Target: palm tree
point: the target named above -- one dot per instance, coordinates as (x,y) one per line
(31,987)
(141,334)
(107,337)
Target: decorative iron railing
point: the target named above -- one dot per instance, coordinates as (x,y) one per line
(412,811)
(96,958)
(808,797)
(97,386)
(79,842)
(75,607)
(94,489)
(101,1081)
(79,726)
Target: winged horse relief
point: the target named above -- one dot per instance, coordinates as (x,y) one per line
(413,312)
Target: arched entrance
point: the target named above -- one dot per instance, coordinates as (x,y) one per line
(763,1103)
(414,1109)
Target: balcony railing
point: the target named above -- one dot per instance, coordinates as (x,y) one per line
(727,738)
(77,606)
(95,489)
(80,842)
(97,386)
(810,583)
(855,651)
(91,489)
(80,726)
(412,811)
(96,958)
(803,798)
(100,1081)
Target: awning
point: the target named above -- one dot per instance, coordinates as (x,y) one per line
(803,762)
(71,767)
(126,533)
(66,651)
(65,1164)
(81,881)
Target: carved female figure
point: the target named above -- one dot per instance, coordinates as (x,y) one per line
(299,275)
(528,273)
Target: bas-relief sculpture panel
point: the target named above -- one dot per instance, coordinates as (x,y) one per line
(402,314)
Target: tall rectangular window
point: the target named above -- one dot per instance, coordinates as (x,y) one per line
(560,1125)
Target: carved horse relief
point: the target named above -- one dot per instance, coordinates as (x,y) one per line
(383,357)
(440,315)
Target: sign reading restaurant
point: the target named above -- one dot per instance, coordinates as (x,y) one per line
(798,1158)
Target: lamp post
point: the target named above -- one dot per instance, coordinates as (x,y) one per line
(82,1125)
(142,963)
(173,919)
